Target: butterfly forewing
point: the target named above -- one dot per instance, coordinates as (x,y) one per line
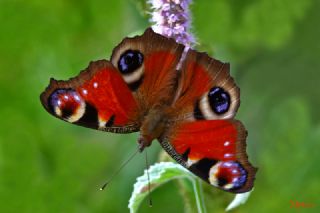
(97,98)
(202,134)
(115,96)
(214,150)
(155,81)
(206,91)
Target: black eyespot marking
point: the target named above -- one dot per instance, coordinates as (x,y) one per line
(197,114)
(130,61)
(202,167)
(110,121)
(219,100)
(136,84)
(222,181)
(67,112)
(90,117)
(185,155)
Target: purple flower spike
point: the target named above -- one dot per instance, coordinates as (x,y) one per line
(171,18)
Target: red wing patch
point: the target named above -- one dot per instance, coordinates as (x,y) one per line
(109,94)
(214,150)
(98,98)
(207,139)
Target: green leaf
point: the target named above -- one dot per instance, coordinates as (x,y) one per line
(163,172)
(238,200)
(159,174)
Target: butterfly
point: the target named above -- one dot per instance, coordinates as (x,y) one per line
(189,110)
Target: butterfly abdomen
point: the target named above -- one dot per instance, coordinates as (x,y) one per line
(153,126)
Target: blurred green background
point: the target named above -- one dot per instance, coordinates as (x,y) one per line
(50,166)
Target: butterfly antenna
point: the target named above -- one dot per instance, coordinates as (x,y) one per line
(149,185)
(120,168)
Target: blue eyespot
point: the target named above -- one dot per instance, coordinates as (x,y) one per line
(229,175)
(65,103)
(130,61)
(219,100)
(232,172)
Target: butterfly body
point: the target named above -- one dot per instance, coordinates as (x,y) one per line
(190,111)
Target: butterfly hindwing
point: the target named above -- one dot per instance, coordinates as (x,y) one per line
(214,150)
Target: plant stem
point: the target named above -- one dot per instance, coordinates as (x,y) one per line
(198,191)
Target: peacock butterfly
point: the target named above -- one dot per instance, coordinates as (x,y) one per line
(190,111)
